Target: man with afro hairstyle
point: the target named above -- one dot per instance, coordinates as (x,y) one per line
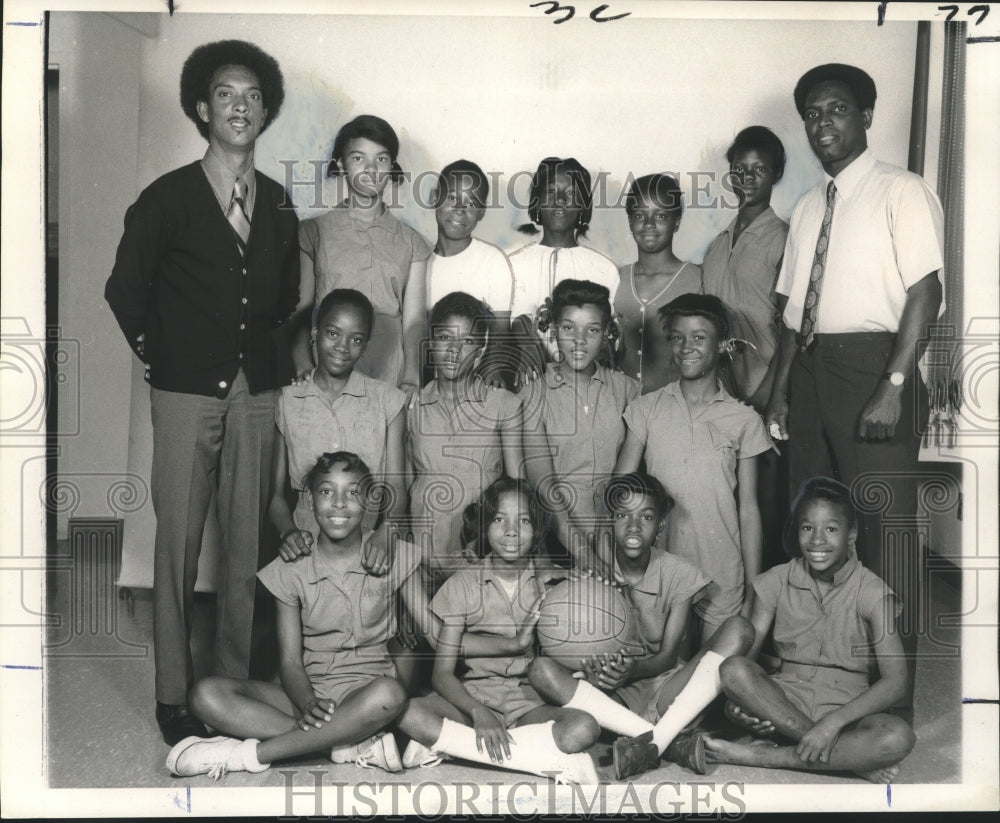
(206,270)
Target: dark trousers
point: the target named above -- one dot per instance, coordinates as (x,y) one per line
(829,387)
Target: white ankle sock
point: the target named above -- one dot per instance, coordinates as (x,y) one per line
(701,689)
(247,751)
(608,712)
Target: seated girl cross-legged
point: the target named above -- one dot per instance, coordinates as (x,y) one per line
(338,690)
(833,625)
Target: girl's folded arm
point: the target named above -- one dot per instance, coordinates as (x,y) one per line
(294,679)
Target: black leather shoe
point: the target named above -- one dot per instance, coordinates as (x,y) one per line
(177,722)
(688,749)
(634,755)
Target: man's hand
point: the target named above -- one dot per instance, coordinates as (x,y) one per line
(777,417)
(880,416)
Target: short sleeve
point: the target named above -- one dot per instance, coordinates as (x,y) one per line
(279,415)
(452,600)
(637,417)
(875,594)
(783,285)
(775,251)
(420,250)
(279,578)
(393,401)
(309,238)
(754,439)
(917,231)
(768,585)
(683,580)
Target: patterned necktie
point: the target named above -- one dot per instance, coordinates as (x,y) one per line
(810,310)
(237,215)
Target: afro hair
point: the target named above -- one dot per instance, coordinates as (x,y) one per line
(204,61)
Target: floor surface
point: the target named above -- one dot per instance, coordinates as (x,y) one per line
(101,732)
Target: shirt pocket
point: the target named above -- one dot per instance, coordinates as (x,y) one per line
(377,607)
(724,446)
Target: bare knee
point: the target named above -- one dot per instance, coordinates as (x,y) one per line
(894,738)
(543,674)
(735,636)
(385,697)
(210,697)
(575,731)
(737,675)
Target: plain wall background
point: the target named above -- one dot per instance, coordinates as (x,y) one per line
(632,97)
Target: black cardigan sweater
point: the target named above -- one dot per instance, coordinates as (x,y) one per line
(205,311)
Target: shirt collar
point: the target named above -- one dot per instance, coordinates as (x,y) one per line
(222,179)
(650,582)
(849,179)
(531,570)
(355,386)
(383,219)
(316,569)
(721,396)
(800,577)
(431,393)
(555,378)
(760,222)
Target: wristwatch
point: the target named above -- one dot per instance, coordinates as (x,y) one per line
(896,378)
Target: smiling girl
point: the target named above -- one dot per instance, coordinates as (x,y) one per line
(702,445)
(573,415)
(359,244)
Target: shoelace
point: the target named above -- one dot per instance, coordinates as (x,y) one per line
(364,758)
(217,769)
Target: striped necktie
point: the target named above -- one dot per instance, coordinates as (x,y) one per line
(811,308)
(237,215)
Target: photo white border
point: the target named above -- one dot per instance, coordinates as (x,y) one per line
(22,773)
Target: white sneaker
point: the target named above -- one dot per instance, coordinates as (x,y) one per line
(214,756)
(417,755)
(576,768)
(349,752)
(382,753)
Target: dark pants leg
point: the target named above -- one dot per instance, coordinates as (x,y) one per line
(838,377)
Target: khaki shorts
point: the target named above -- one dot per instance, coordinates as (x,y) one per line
(641,696)
(816,691)
(509,699)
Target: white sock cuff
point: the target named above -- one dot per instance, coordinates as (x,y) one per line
(247,750)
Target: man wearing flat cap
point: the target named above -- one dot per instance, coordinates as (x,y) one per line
(861,282)
(206,270)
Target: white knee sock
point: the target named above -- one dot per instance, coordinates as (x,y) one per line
(533,750)
(701,689)
(608,712)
